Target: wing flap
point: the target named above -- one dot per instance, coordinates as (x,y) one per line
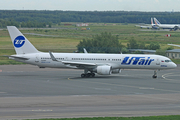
(72,63)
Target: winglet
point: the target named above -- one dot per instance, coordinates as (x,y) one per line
(85,50)
(52,56)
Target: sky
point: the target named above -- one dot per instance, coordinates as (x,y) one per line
(92,5)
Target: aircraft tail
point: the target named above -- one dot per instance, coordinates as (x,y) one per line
(20,42)
(156,21)
(152,21)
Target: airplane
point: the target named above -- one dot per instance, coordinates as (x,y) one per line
(91,63)
(152,26)
(167,26)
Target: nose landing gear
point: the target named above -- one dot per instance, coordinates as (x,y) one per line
(155,74)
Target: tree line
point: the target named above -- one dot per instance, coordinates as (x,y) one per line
(29,24)
(56,17)
(133,44)
(103,43)
(107,43)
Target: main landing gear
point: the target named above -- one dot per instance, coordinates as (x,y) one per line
(86,74)
(155,74)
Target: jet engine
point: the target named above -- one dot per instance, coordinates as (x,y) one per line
(175,28)
(104,70)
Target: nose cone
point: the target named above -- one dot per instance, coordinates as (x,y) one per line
(174,65)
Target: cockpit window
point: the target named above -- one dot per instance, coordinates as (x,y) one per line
(168,61)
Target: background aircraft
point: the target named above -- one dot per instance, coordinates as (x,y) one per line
(152,26)
(103,64)
(166,26)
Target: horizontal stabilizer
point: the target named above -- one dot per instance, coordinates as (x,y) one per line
(15,57)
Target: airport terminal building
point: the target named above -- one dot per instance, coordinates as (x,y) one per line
(175,53)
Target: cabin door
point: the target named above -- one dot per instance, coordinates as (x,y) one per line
(37,58)
(158,62)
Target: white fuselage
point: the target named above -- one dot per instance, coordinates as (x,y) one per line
(116,61)
(168,26)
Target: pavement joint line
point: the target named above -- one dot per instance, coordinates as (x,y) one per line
(136,87)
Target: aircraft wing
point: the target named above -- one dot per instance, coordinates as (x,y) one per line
(80,64)
(15,57)
(72,63)
(174,45)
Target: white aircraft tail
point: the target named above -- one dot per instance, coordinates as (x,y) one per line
(152,21)
(156,21)
(20,42)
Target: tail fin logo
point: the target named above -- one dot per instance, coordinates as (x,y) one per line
(19,41)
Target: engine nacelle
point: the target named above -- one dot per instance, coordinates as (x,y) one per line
(116,71)
(104,70)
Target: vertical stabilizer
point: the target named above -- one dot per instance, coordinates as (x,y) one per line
(156,21)
(152,21)
(20,42)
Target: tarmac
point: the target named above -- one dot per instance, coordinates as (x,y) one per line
(28,92)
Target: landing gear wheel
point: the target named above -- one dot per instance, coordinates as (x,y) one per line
(92,74)
(83,75)
(154,76)
(87,75)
